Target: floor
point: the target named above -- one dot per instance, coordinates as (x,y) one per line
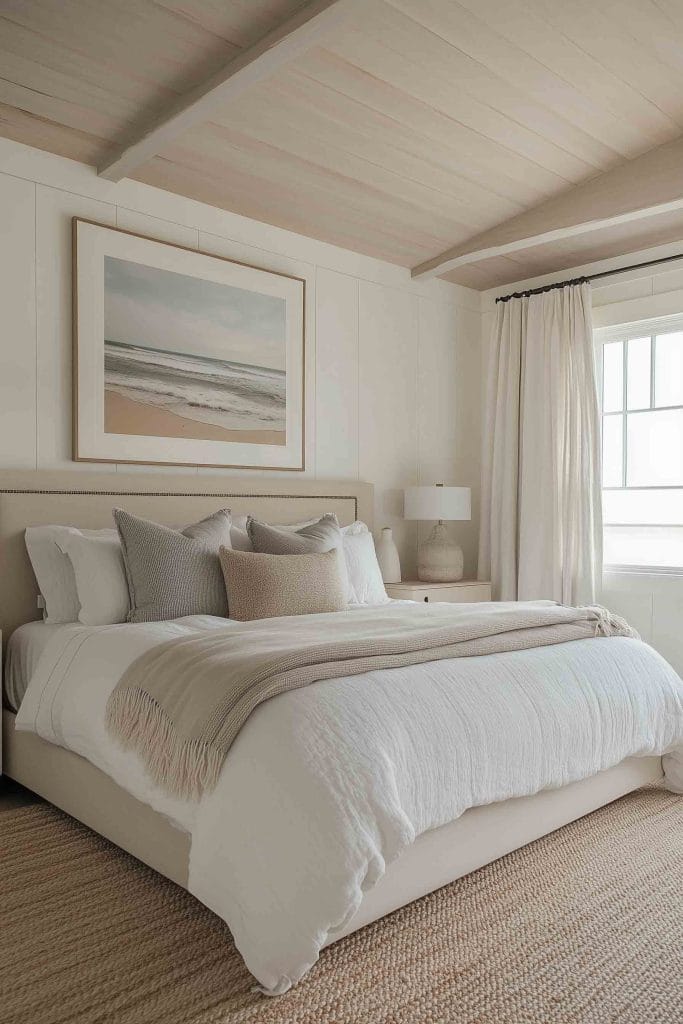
(584,926)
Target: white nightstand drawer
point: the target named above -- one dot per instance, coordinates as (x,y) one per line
(461,592)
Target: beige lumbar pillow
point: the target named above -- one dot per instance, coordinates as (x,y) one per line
(261,586)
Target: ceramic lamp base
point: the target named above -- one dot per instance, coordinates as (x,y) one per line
(439,559)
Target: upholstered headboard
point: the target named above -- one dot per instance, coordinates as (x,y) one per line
(85,499)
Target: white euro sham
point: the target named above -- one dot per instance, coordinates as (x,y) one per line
(100,574)
(54,571)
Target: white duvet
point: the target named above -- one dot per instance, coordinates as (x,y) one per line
(326,785)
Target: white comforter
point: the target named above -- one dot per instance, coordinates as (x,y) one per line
(326,785)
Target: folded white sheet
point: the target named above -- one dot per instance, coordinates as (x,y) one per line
(326,785)
(24,649)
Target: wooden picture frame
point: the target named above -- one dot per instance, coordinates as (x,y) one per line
(182,357)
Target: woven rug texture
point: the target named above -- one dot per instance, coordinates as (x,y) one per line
(584,926)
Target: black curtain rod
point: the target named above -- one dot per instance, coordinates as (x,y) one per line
(588,277)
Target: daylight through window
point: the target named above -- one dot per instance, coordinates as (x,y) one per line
(642,445)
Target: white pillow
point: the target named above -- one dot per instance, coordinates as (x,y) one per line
(54,573)
(100,575)
(356,527)
(365,577)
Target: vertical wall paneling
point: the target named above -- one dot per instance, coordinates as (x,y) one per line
(18,325)
(336,388)
(387,414)
(54,210)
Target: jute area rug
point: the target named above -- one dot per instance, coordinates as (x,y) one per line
(583,926)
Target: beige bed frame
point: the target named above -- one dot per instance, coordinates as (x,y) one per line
(70,782)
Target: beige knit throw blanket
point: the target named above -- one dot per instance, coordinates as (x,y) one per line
(181,705)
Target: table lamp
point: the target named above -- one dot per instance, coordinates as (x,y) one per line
(439,559)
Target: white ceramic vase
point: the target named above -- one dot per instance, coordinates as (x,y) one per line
(387,556)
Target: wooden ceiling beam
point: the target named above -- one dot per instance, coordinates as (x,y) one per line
(284,43)
(647,186)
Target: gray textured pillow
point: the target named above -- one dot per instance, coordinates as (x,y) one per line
(172,573)
(322,535)
(240,537)
(265,586)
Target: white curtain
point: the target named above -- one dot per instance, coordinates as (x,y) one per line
(541,517)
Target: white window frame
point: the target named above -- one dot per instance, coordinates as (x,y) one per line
(624,332)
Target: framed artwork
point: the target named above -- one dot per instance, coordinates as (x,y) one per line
(182,357)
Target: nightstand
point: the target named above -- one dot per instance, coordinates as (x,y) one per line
(461,592)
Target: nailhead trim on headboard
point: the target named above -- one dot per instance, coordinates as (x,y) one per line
(186,494)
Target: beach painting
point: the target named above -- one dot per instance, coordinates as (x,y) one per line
(200,359)
(184,357)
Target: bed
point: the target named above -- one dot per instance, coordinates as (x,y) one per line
(73,782)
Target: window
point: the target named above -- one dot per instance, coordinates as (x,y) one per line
(642,445)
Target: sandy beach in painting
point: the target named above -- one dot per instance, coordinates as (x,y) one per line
(123,416)
(152,392)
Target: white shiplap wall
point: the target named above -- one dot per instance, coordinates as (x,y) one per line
(392,365)
(652,603)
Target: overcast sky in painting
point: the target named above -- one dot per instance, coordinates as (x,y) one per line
(160,309)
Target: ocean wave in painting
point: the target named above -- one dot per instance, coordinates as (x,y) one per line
(235,396)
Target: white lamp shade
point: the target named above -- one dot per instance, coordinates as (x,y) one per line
(437,503)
